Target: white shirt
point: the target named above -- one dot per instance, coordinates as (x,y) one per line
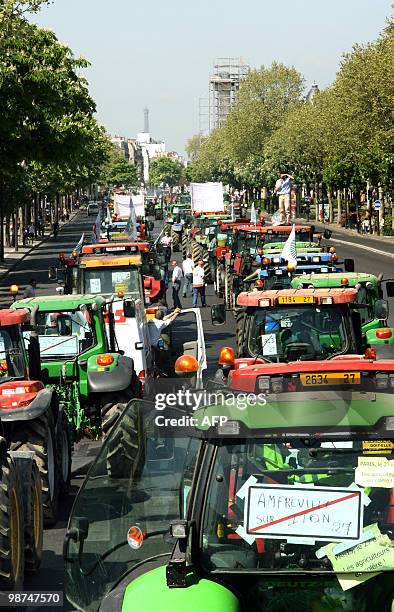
(188,266)
(177,274)
(198,276)
(166,240)
(155,327)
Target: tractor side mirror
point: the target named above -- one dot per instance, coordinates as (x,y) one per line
(327,235)
(390,288)
(52,273)
(218,314)
(129,309)
(381,310)
(349,265)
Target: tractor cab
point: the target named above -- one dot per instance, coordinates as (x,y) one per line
(368,287)
(290,324)
(306,238)
(252,502)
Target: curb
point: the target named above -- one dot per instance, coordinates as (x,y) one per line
(12,267)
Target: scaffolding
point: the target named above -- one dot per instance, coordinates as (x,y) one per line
(223,87)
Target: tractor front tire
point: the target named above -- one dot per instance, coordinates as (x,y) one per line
(39,436)
(64,449)
(11,527)
(34,527)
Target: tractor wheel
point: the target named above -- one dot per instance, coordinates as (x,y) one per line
(11,527)
(184,245)
(220,280)
(110,411)
(196,251)
(240,316)
(175,241)
(229,290)
(124,445)
(64,448)
(207,270)
(39,436)
(167,229)
(34,527)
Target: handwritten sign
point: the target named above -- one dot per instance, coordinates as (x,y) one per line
(95,285)
(303,512)
(51,346)
(375,472)
(207,197)
(359,563)
(268,342)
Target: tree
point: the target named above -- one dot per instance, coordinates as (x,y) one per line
(193,146)
(117,171)
(165,170)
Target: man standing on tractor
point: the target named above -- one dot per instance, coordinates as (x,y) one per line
(283,189)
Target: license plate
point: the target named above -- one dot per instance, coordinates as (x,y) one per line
(331,378)
(295,299)
(378,447)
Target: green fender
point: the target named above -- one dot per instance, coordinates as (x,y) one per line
(372,338)
(150,593)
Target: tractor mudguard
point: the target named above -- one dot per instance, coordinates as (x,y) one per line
(113,379)
(149,592)
(40,404)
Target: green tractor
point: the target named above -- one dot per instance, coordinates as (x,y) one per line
(368,287)
(80,359)
(269,499)
(177,215)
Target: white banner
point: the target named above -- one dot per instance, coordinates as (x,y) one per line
(122,205)
(138,202)
(207,197)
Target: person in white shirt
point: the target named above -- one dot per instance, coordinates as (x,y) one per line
(187,268)
(283,188)
(199,284)
(155,328)
(176,284)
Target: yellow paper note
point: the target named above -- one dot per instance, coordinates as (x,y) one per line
(375,472)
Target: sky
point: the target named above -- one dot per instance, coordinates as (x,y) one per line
(160,53)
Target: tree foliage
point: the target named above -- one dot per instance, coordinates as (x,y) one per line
(165,170)
(117,171)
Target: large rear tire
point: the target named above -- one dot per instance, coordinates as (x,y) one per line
(110,411)
(240,315)
(196,251)
(35,525)
(176,239)
(11,527)
(39,436)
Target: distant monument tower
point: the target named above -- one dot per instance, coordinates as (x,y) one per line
(146,120)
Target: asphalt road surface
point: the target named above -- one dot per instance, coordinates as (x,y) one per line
(369,255)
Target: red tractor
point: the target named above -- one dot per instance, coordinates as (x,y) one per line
(33,421)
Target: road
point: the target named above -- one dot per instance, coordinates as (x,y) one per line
(362,250)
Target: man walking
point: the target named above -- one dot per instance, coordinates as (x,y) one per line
(176,284)
(199,284)
(283,189)
(187,268)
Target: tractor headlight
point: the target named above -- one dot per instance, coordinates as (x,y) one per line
(277,385)
(263,383)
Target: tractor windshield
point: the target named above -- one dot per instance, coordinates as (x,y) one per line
(283,236)
(301,508)
(109,280)
(288,333)
(64,334)
(11,355)
(133,489)
(247,241)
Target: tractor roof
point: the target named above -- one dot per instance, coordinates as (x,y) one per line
(105,261)
(102,248)
(286,229)
(11,317)
(334,279)
(297,296)
(58,302)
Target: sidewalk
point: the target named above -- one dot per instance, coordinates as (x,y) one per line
(12,258)
(348,232)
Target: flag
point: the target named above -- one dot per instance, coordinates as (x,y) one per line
(289,251)
(79,245)
(253,217)
(232,212)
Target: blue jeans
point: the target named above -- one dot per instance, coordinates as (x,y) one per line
(196,292)
(188,284)
(175,295)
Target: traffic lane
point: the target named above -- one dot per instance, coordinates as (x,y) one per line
(363,241)
(36,264)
